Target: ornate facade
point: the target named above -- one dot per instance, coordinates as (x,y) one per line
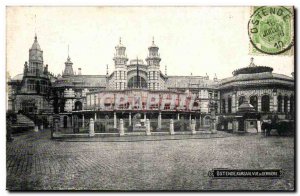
(37,91)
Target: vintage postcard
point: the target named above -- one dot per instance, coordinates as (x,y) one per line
(150,98)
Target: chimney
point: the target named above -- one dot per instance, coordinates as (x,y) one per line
(79,71)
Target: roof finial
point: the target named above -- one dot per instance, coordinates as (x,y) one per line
(106,69)
(35,37)
(120,40)
(68,53)
(152,39)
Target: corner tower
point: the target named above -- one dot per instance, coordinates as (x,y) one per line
(153,61)
(35,67)
(120,74)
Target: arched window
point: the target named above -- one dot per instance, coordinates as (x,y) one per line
(285,106)
(253,101)
(241,99)
(78,105)
(135,82)
(265,103)
(229,104)
(279,103)
(292,105)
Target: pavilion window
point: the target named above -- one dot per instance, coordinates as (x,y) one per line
(279,102)
(265,103)
(253,102)
(241,100)
(285,106)
(229,104)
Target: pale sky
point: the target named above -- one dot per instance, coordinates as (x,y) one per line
(196,40)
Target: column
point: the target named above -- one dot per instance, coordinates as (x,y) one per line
(172,127)
(145,117)
(178,116)
(233,108)
(122,133)
(95,116)
(258,126)
(288,106)
(148,127)
(115,120)
(82,120)
(200,121)
(193,127)
(275,106)
(259,103)
(190,119)
(159,121)
(129,119)
(91,128)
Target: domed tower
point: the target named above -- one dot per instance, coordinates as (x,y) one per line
(35,59)
(153,61)
(120,59)
(68,66)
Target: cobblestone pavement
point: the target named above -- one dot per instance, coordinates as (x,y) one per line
(34,162)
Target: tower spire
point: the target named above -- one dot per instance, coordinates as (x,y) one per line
(120,40)
(152,39)
(35,36)
(68,52)
(106,69)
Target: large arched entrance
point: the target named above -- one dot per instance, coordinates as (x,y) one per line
(137,82)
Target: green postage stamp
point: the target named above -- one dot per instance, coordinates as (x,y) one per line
(271,30)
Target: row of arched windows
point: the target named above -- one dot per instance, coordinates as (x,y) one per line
(282,102)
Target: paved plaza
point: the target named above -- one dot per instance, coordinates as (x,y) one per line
(35,162)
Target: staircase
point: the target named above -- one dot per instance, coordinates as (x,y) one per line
(23,121)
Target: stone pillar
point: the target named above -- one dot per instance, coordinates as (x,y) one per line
(95,116)
(233,107)
(288,106)
(178,116)
(148,127)
(172,127)
(259,103)
(190,119)
(145,117)
(121,128)
(193,127)
(234,127)
(115,120)
(212,126)
(159,121)
(129,119)
(36,128)
(275,106)
(82,120)
(91,128)
(258,126)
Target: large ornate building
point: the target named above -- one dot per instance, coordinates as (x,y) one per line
(37,91)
